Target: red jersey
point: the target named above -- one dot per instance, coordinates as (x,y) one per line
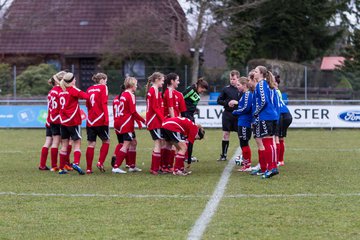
(97,106)
(154,110)
(181,125)
(124,111)
(69,106)
(53,106)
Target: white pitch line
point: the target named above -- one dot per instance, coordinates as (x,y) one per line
(101,195)
(95,195)
(296,195)
(201,223)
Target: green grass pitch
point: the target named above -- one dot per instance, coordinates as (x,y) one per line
(316,195)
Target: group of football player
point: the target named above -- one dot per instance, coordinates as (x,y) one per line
(169,119)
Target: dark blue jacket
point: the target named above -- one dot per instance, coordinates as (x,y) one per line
(244,111)
(266,102)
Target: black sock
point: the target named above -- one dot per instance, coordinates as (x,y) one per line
(225,146)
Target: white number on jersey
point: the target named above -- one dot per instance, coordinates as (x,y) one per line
(62,102)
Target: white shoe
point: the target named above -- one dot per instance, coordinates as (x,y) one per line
(118,170)
(257,167)
(135,169)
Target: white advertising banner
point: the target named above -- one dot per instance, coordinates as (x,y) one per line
(304,116)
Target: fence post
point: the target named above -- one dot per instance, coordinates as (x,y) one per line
(305,76)
(14,77)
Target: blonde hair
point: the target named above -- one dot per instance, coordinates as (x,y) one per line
(129,82)
(67,80)
(98,76)
(55,79)
(268,76)
(152,79)
(235,73)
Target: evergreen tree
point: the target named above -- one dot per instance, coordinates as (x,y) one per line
(351,68)
(289,30)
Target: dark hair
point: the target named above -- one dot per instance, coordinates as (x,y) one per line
(201,132)
(202,83)
(277,79)
(167,82)
(122,89)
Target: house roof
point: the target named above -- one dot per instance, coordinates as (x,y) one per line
(69,27)
(331,63)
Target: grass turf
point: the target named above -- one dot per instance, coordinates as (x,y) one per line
(158,207)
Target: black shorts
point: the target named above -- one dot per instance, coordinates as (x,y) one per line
(264,128)
(244,133)
(73,132)
(171,136)
(156,134)
(48,132)
(55,129)
(229,122)
(101,131)
(283,125)
(126,137)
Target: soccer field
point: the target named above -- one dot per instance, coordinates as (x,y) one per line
(315,196)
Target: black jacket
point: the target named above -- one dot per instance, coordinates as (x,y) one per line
(227,94)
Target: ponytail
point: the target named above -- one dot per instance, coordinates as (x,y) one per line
(152,79)
(267,75)
(66,81)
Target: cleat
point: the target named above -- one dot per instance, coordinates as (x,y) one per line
(89,171)
(118,170)
(170,169)
(256,172)
(245,169)
(222,158)
(44,168)
(54,169)
(281,164)
(180,173)
(270,173)
(127,166)
(63,171)
(154,172)
(100,167)
(78,169)
(68,168)
(194,159)
(257,167)
(135,169)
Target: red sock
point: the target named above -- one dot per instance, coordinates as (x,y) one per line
(68,154)
(103,152)
(54,156)
(277,152)
(155,161)
(170,162)
(262,161)
(117,148)
(165,154)
(281,150)
(163,158)
(132,158)
(89,157)
(63,158)
(128,159)
(77,156)
(246,152)
(120,156)
(43,156)
(269,153)
(179,162)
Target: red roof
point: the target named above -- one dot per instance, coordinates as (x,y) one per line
(331,63)
(75,26)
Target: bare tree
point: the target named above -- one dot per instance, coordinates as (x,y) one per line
(202,14)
